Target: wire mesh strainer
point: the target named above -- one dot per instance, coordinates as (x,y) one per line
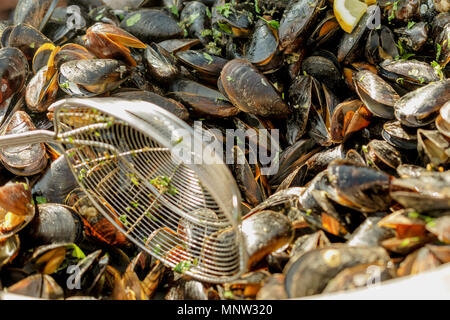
(142,168)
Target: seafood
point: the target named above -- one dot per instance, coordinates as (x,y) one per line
(357,126)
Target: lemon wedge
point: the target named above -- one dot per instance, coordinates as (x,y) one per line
(348,13)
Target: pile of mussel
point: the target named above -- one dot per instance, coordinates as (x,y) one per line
(362,190)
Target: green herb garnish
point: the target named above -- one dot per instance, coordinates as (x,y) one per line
(41,200)
(208,57)
(182,267)
(131,21)
(411,24)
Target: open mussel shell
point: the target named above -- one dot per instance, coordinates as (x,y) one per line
(381,155)
(303,91)
(421,260)
(433,147)
(312,271)
(149,270)
(247,286)
(41,92)
(251,191)
(380,45)
(325,31)
(91,77)
(440,227)
(399,136)
(414,37)
(42,56)
(9,248)
(370,233)
(110,42)
(348,117)
(250,91)
(298,18)
(234,23)
(443,120)
(421,107)
(97,227)
(442,40)
(16,208)
(24,160)
(145,24)
(378,96)
(13,72)
(201,100)
(405,223)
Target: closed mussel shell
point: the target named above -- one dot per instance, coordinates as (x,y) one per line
(251,91)
(265,232)
(312,271)
(421,107)
(146,24)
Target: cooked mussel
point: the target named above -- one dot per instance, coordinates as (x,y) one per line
(196,13)
(433,147)
(41,90)
(367,190)
(9,248)
(25,160)
(170,105)
(38,286)
(298,18)
(161,65)
(55,223)
(34,12)
(427,192)
(90,77)
(26,38)
(443,120)
(378,96)
(421,107)
(399,136)
(145,24)
(265,232)
(201,100)
(251,91)
(312,271)
(13,73)
(110,42)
